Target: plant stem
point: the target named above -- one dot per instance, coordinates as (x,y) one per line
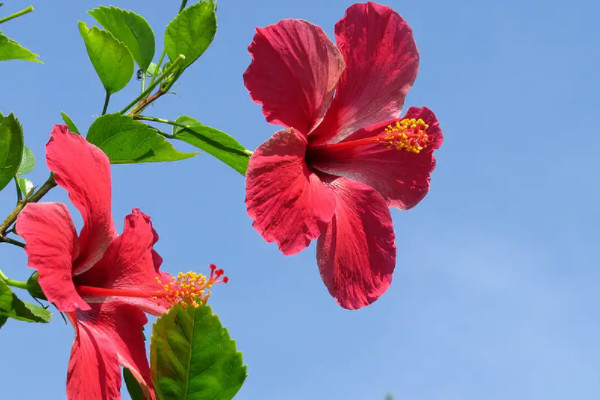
(106,100)
(17,14)
(12,217)
(182,6)
(11,241)
(12,282)
(142,101)
(161,120)
(19,194)
(160,61)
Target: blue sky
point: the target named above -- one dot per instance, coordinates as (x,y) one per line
(495,293)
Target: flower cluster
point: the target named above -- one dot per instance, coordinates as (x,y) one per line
(343,158)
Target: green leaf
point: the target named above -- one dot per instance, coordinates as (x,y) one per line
(193,357)
(153,70)
(131,29)
(111,59)
(133,387)
(13,307)
(213,141)
(126,140)
(11,149)
(2,320)
(33,287)
(70,124)
(11,50)
(191,32)
(27,161)
(25,185)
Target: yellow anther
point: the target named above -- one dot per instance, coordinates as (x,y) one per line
(407,134)
(187,289)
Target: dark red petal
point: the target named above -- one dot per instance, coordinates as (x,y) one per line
(357,254)
(400,176)
(51,245)
(295,68)
(84,171)
(109,336)
(288,203)
(381,65)
(129,263)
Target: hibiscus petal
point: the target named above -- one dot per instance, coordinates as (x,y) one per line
(288,203)
(108,336)
(51,244)
(129,263)
(93,368)
(400,176)
(84,171)
(381,65)
(295,68)
(357,254)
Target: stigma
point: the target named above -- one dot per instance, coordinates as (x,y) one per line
(407,134)
(188,289)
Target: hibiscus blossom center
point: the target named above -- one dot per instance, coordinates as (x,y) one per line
(189,289)
(408,134)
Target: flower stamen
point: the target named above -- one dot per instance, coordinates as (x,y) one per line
(407,134)
(189,289)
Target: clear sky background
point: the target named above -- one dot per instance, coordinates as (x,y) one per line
(495,293)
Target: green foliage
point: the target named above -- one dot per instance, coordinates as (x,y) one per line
(153,70)
(25,185)
(11,50)
(131,29)
(213,141)
(70,124)
(11,149)
(133,387)
(111,59)
(126,140)
(33,287)
(2,320)
(191,32)
(13,307)
(27,161)
(193,357)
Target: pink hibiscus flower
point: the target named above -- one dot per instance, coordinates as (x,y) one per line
(343,158)
(103,281)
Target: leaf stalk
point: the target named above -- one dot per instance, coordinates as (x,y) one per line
(17,14)
(12,282)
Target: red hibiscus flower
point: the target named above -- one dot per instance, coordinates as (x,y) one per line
(101,280)
(345,156)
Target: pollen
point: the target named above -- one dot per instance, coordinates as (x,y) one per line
(189,289)
(408,134)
